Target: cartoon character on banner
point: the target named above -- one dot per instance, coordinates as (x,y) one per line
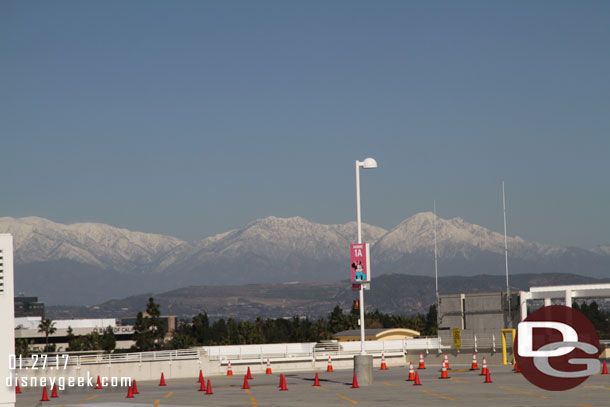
(358,273)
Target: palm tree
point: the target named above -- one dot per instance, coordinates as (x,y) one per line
(47,327)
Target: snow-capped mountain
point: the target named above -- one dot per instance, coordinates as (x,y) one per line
(90,262)
(455,237)
(41,240)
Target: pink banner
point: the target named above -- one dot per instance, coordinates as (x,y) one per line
(359,255)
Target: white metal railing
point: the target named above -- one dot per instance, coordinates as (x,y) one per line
(236,353)
(42,361)
(474,341)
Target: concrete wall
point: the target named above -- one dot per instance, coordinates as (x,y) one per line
(7,318)
(450,311)
(190,368)
(484,312)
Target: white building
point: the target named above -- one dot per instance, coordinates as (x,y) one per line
(27,328)
(7,318)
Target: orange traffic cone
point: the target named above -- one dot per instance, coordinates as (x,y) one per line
(444,374)
(355,382)
(134,387)
(209,388)
(162,382)
(516,368)
(249,374)
(475,365)
(329,368)
(417,382)
(487,377)
(246,385)
(283,383)
(383,365)
(422,365)
(98,386)
(202,386)
(54,391)
(129,393)
(484,368)
(605,368)
(268,367)
(229,370)
(200,376)
(45,396)
(447,362)
(411,373)
(316,382)
(17,388)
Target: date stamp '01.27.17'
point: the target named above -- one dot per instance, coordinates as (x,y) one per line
(36,362)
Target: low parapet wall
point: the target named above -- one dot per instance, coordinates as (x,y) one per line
(190,368)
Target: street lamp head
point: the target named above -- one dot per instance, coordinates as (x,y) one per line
(369,163)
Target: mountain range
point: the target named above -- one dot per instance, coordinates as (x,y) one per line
(390,293)
(88,263)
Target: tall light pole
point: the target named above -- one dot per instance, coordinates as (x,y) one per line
(510,321)
(367,163)
(438,302)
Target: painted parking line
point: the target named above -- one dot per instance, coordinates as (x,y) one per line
(585,405)
(252,399)
(437,395)
(459,381)
(524,392)
(403,386)
(156,404)
(168,395)
(320,388)
(89,398)
(597,386)
(346,398)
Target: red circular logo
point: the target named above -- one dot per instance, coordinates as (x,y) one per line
(557,348)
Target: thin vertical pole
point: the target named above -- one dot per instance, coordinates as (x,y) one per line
(362,350)
(510,321)
(436,263)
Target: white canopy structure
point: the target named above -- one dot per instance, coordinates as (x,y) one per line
(566,292)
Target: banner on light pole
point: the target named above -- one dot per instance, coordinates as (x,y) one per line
(360,263)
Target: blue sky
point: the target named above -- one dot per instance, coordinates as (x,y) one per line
(190,118)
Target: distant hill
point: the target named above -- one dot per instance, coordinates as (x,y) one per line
(89,263)
(392,293)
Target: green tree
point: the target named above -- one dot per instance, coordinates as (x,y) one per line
(149,330)
(431,327)
(108,339)
(201,329)
(75,343)
(142,335)
(155,325)
(22,347)
(233,337)
(47,327)
(182,342)
(219,332)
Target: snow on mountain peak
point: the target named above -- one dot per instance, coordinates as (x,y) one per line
(454,236)
(38,239)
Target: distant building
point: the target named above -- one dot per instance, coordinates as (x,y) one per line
(376,334)
(28,307)
(479,313)
(27,328)
(168,321)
